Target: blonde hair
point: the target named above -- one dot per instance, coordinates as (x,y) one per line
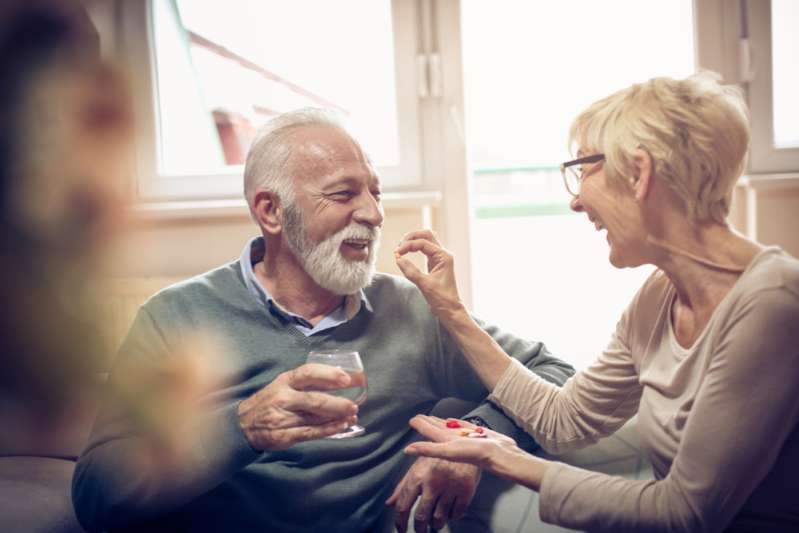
(696,131)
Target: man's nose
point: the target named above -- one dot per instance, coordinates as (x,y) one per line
(576,205)
(369,211)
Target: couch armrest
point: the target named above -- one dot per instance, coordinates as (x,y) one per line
(36,495)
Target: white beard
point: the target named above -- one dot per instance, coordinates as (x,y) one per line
(324,263)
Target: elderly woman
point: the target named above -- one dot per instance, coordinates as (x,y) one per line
(707,353)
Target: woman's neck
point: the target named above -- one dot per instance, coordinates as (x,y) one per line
(703,262)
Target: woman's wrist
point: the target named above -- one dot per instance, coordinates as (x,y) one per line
(454,315)
(521,467)
(481,351)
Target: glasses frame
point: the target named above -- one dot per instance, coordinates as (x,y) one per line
(564,167)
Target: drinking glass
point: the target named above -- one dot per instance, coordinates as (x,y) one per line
(350,362)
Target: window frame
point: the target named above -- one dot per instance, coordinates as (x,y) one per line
(725,31)
(765,157)
(154,185)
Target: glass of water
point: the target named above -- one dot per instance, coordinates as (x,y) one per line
(350,362)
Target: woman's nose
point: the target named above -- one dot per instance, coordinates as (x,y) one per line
(575,204)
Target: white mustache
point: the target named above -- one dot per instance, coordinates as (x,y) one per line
(357,231)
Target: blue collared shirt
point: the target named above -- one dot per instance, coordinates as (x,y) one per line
(253,253)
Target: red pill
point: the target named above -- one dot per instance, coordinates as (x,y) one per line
(453,424)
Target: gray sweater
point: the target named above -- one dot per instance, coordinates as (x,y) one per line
(220,483)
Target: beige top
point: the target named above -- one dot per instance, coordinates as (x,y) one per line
(718,420)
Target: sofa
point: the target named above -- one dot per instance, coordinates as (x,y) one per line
(37,458)
(38,448)
(35,479)
(38,453)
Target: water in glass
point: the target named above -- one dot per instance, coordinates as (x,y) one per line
(350,362)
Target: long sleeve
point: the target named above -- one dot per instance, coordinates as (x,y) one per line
(591,405)
(530,355)
(736,433)
(122,477)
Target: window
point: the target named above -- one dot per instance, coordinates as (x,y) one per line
(769,30)
(219,70)
(529,68)
(785,57)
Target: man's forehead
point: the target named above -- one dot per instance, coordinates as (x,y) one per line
(324,143)
(322,149)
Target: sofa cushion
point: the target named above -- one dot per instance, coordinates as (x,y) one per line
(36,495)
(29,432)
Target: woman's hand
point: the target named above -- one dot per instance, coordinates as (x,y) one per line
(496,453)
(450,443)
(440,290)
(438,285)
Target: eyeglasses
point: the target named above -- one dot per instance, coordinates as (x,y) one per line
(573,172)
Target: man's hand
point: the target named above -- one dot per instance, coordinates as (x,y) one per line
(284,412)
(444,490)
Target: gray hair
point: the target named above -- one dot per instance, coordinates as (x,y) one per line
(270,151)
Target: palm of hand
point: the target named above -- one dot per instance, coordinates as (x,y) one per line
(450,443)
(481,452)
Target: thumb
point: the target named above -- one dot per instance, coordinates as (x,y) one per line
(409,270)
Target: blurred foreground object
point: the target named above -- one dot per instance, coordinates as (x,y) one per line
(65,160)
(66,163)
(67,131)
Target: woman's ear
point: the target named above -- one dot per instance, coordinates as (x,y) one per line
(268,211)
(643,167)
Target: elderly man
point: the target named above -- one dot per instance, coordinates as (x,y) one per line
(250,461)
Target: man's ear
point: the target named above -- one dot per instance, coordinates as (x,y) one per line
(268,211)
(642,171)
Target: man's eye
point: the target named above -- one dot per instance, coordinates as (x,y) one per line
(342,195)
(376,194)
